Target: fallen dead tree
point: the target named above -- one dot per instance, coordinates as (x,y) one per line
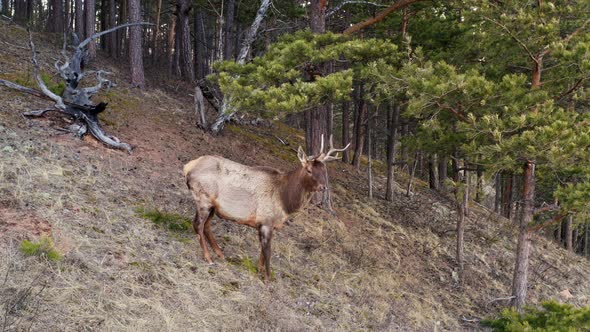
(75,100)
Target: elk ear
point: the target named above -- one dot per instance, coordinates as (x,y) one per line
(302,156)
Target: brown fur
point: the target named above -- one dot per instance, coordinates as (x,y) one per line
(260,197)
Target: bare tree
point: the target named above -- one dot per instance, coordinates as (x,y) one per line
(226,113)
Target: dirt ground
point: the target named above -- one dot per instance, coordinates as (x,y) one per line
(374,265)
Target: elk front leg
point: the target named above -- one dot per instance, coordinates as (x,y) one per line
(199,225)
(265,236)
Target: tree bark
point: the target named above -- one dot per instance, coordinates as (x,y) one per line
(586,239)
(157,32)
(412,174)
(200,45)
(58,16)
(520,278)
(432,172)
(228,52)
(463,211)
(183,8)
(370,158)
(251,34)
(113,45)
(345,130)
(122,48)
(558,237)
(391,138)
(103,22)
(507,195)
(569,231)
(360,138)
(135,49)
(90,21)
(442,172)
(226,113)
(498,193)
(171,44)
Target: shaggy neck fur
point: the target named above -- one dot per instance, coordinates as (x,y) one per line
(294,187)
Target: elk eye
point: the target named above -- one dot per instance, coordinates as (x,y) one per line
(308,170)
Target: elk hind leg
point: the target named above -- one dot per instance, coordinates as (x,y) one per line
(199,226)
(211,238)
(265,236)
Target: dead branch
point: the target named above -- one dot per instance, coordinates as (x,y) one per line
(344,3)
(380,16)
(74,102)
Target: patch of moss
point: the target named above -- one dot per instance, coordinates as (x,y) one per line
(170,221)
(28,80)
(42,248)
(245,263)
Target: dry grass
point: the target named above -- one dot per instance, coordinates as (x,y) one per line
(377,266)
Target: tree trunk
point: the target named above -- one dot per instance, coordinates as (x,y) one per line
(405,132)
(412,174)
(200,45)
(103,23)
(442,173)
(479,185)
(228,52)
(183,8)
(345,130)
(586,239)
(121,36)
(569,231)
(558,237)
(360,138)
(432,172)
(463,211)
(90,16)
(80,28)
(507,195)
(226,113)
(157,32)
(113,45)
(370,158)
(135,50)
(498,193)
(171,43)
(520,278)
(393,117)
(58,16)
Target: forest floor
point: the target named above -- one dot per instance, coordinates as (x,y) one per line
(375,265)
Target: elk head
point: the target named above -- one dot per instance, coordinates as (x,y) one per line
(315,177)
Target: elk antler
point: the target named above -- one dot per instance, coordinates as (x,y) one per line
(325,157)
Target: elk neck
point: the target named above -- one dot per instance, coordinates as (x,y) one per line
(294,187)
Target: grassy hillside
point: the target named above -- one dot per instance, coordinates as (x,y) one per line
(375,265)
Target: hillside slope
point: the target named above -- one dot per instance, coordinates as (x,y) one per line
(374,266)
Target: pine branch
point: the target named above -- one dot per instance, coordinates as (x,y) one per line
(380,16)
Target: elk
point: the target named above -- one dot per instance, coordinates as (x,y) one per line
(260,197)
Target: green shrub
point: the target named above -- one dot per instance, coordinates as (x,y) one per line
(42,248)
(170,221)
(552,316)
